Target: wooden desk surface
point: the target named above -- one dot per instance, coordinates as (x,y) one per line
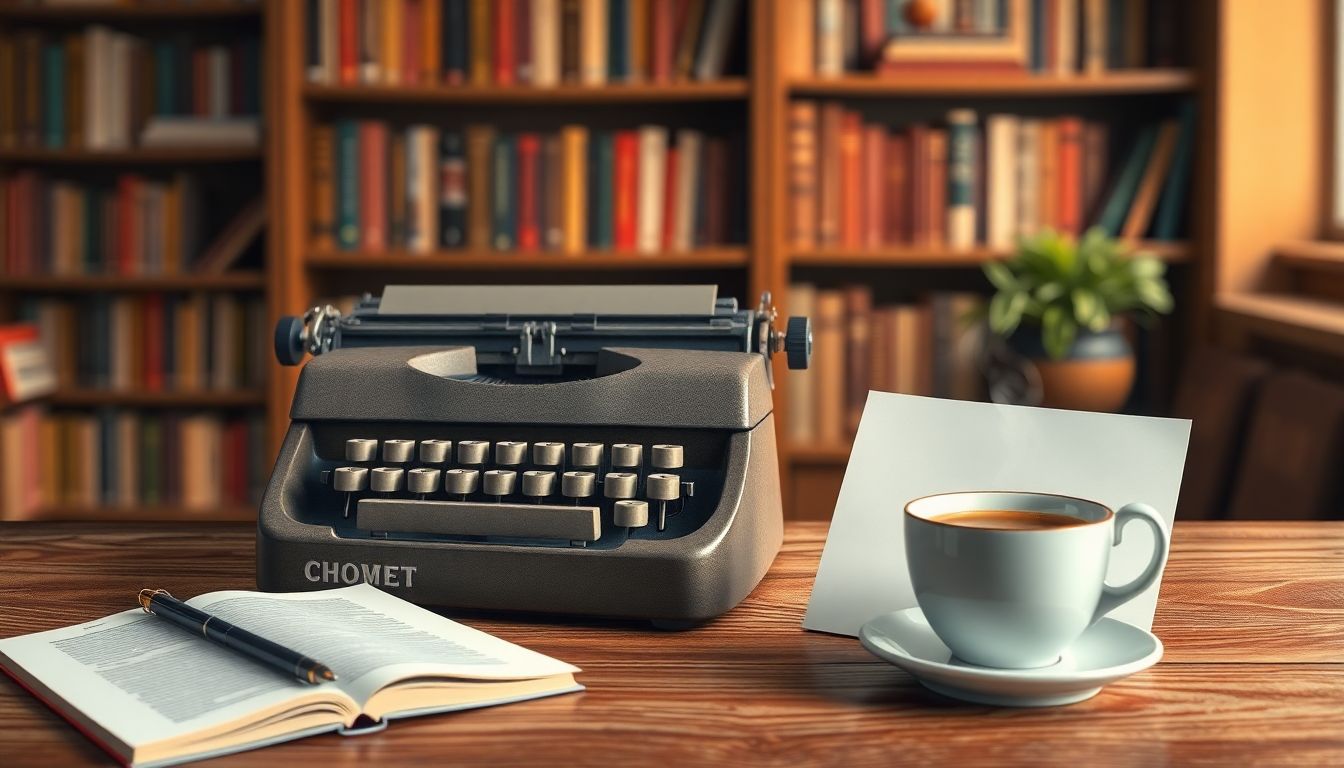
(1252,615)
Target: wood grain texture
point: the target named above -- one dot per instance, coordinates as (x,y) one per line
(1252,615)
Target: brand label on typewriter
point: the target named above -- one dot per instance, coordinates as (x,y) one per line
(377,574)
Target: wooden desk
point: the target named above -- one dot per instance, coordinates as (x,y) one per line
(1252,615)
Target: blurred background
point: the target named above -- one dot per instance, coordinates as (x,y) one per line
(1120,205)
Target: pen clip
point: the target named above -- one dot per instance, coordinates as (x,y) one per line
(147,595)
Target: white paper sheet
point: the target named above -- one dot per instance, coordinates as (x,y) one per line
(909,447)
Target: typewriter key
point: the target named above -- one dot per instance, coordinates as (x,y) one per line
(472,452)
(422,480)
(398,451)
(630,513)
(548,454)
(461,481)
(620,485)
(360,449)
(627,455)
(663,488)
(586,455)
(667,457)
(349,480)
(435,451)
(509,453)
(538,484)
(386,479)
(499,483)
(578,485)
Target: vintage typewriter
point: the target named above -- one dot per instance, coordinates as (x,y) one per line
(591,450)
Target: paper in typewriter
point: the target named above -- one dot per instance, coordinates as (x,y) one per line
(157,694)
(432,300)
(908,447)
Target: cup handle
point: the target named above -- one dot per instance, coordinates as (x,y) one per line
(1114,597)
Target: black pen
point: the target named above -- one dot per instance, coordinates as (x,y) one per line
(215,629)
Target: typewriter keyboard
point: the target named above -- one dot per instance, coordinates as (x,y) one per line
(518,491)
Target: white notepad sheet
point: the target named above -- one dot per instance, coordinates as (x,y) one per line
(908,447)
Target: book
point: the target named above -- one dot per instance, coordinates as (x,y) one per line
(961,174)
(480,144)
(592,44)
(503,195)
(828,360)
(1145,196)
(452,190)
(373,149)
(454,41)
(720,22)
(1117,204)
(392,660)
(800,416)
(802,179)
(937,174)
(347,183)
(1001,180)
(574,153)
(858,351)
(851,180)
(625,189)
(652,183)
(529,178)
(1069,175)
(230,244)
(1171,206)
(690,149)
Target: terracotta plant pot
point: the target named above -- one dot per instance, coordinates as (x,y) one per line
(1096,375)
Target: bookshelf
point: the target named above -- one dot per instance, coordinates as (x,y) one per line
(104,271)
(751,102)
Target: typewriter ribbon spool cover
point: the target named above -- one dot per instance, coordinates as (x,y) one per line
(678,393)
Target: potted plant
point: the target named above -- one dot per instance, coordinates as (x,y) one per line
(1059,303)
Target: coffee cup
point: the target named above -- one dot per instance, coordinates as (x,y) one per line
(1011,580)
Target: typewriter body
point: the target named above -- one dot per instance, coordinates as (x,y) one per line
(580,450)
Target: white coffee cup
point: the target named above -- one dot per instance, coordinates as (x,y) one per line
(1015,597)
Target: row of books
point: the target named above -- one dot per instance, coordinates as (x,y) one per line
(104,89)
(155,342)
(518,42)
(1059,37)
(861,185)
(925,348)
(128,459)
(643,190)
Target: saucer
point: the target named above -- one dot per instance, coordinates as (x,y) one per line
(1108,651)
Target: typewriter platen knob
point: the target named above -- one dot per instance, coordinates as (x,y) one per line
(578,485)
(630,513)
(398,451)
(667,456)
(499,482)
(422,480)
(386,479)
(627,455)
(361,449)
(435,451)
(798,343)
(510,453)
(461,481)
(538,484)
(620,485)
(472,452)
(586,455)
(548,454)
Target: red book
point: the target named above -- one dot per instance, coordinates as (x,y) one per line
(127,221)
(373,184)
(872,30)
(898,189)
(670,198)
(716,182)
(919,185)
(503,47)
(663,26)
(412,57)
(200,83)
(874,185)
(152,335)
(529,226)
(1069,185)
(347,29)
(851,180)
(625,188)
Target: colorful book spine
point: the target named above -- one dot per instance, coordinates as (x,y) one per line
(452,190)
(347,184)
(625,189)
(528,175)
(503,222)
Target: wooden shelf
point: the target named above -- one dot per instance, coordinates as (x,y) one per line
(728,257)
(1313,255)
(226,281)
(1310,323)
(154,514)
(1017,85)
(728,89)
(169,11)
(818,455)
(241,398)
(130,155)
(923,256)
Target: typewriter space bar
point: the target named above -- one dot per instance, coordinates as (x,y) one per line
(470,518)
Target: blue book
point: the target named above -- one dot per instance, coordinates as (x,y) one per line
(455,37)
(1176,188)
(618,41)
(504,193)
(53,96)
(165,79)
(347,183)
(606,196)
(1116,208)
(1038,33)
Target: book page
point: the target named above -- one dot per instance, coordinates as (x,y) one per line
(370,638)
(143,680)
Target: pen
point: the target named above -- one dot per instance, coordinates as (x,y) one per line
(215,629)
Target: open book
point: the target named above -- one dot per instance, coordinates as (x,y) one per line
(152,693)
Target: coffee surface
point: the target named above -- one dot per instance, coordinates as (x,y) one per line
(1008,519)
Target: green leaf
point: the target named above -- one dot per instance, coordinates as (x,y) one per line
(1154,295)
(1147,266)
(1085,305)
(1049,292)
(1058,331)
(1100,321)
(1000,276)
(1005,312)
